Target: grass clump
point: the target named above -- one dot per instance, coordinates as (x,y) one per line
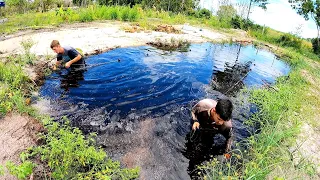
(21,171)
(14,84)
(70,155)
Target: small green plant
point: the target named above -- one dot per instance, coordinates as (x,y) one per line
(133,14)
(85,16)
(1,171)
(65,13)
(114,13)
(71,156)
(125,12)
(21,171)
(27,57)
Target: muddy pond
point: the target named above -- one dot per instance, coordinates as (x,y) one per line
(138,100)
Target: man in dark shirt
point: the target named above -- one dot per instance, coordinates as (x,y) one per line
(214,115)
(71,56)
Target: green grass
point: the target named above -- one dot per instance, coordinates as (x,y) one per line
(37,20)
(70,155)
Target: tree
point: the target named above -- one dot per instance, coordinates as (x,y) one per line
(307,9)
(259,3)
(226,13)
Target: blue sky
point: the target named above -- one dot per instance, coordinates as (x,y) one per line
(279,15)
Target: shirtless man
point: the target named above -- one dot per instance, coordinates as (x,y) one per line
(214,115)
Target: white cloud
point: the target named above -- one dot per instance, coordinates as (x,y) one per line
(279,15)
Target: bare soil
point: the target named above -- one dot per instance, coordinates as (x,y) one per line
(17,133)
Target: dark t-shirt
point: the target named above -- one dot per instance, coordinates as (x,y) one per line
(201,113)
(69,54)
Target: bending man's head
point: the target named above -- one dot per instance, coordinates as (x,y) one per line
(222,112)
(55,46)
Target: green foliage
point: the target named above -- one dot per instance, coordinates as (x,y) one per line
(85,16)
(21,171)
(238,23)
(290,41)
(315,46)
(13,83)
(71,156)
(169,5)
(125,14)
(201,13)
(1,171)
(114,13)
(133,14)
(226,13)
(65,14)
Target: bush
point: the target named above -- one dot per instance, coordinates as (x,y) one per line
(315,46)
(226,13)
(85,16)
(202,13)
(290,40)
(133,14)
(125,14)
(114,13)
(71,156)
(237,22)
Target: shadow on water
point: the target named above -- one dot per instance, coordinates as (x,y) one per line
(140,106)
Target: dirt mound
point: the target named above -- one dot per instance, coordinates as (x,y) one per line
(134,28)
(167,29)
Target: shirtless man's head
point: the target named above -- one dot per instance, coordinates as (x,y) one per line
(222,112)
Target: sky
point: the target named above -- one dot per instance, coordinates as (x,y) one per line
(279,15)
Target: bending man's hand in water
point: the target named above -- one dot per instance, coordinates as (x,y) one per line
(68,64)
(76,59)
(195,126)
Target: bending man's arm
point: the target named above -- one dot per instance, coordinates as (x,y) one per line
(196,123)
(229,139)
(76,59)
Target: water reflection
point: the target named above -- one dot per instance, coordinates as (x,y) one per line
(230,81)
(71,79)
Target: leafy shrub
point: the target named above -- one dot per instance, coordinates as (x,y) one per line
(226,13)
(202,13)
(315,46)
(114,13)
(237,22)
(21,171)
(290,40)
(133,14)
(85,16)
(125,14)
(71,156)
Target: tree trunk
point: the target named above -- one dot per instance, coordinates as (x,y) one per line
(318,41)
(182,5)
(249,9)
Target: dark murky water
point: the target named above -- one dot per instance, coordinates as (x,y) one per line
(141,105)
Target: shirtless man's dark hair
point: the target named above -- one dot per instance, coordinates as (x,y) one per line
(224,109)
